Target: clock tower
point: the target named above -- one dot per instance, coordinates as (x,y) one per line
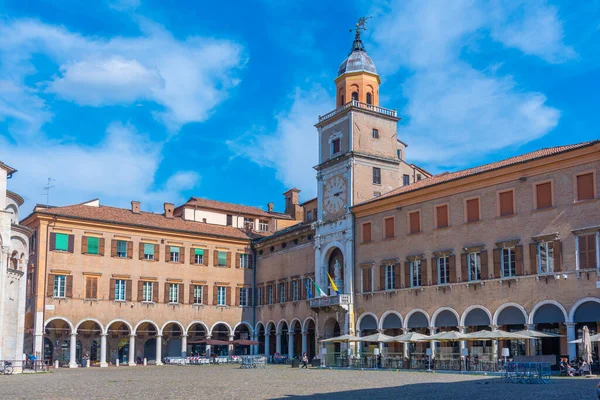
(359,158)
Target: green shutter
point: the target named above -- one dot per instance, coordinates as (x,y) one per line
(62,242)
(174,249)
(199,252)
(92,245)
(222,258)
(149,249)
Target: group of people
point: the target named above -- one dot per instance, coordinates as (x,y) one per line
(575,367)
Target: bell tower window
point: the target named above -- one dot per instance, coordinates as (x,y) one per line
(369,98)
(355,96)
(335,146)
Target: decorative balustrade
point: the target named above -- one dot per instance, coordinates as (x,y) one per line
(358,104)
(329,301)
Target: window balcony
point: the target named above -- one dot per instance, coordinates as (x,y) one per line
(342,300)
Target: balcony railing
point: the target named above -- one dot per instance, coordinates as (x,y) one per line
(329,301)
(358,104)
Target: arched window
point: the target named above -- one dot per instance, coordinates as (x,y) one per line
(355,96)
(369,98)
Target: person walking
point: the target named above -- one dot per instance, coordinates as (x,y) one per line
(304,361)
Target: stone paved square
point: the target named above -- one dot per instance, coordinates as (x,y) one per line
(230,382)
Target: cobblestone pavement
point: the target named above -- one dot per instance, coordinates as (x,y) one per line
(230,382)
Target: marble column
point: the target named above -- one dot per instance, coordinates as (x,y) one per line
(73,351)
(159,350)
(406,346)
(494,345)
(267,344)
(184,345)
(278,343)
(291,345)
(304,342)
(103,363)
(230,348)
(570,337)
(38,345)
(208,348)
(131,351)
(433,344)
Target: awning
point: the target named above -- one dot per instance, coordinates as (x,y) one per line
(211,342)
(244,342)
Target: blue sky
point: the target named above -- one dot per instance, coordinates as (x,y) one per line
(157,101)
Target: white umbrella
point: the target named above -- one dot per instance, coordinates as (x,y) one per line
(538,334)
(341,339)
(376,337)
(495,335)
(410,337)
(451,336)
(587,345)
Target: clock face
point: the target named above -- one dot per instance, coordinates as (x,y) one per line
(334,194)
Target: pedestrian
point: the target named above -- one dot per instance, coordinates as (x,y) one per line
(32,361)
(304,361)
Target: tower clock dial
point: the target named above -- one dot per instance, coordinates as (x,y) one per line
(334,194)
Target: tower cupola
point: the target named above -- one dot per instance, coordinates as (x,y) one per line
(357,76)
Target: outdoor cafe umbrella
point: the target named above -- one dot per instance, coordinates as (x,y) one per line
(341,339)
(212,342)
(587,345)
(593,338)
(450,336)
(245,342)
(495,335)
(376,337)
(538,334)
(410,337)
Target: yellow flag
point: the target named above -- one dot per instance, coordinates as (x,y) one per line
(335,289)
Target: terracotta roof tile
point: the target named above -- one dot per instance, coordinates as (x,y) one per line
(149,220)
(236,208)
(450,176)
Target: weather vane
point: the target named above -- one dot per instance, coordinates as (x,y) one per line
(361,24)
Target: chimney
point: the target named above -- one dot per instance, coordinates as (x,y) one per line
(135,207)
(292,203)
(270,207)
(169,210)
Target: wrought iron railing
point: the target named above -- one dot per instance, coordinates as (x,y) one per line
(358,104)
(328,301)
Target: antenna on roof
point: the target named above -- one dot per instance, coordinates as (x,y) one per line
(47,188)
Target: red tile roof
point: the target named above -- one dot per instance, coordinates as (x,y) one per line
(147,220)
(451,176)
(236,208)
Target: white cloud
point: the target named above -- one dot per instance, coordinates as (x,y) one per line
(120,169)
(292,149)
(532,26)
(189,78)
(457,114)
(124,5)
(107,81)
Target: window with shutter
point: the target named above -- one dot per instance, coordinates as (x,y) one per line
(506,200)
(508,262)
(222,258)
(173,293)
(586,245)
(543,195)
(376,176)
(221,295)
(121,250)
(472,210)
(174,254)
(414,222)
(147,292)
(366,232)
(243,297)
(545,257)
(415,273)
(389,228)
(443,270)
(585,186)
(60,285)
(148,251)
(92,245)
(441,214)
(474,265)
(62,242)
(120,288)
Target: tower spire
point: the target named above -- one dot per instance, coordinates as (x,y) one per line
(361,25)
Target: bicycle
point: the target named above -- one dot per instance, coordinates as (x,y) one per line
(6,368)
